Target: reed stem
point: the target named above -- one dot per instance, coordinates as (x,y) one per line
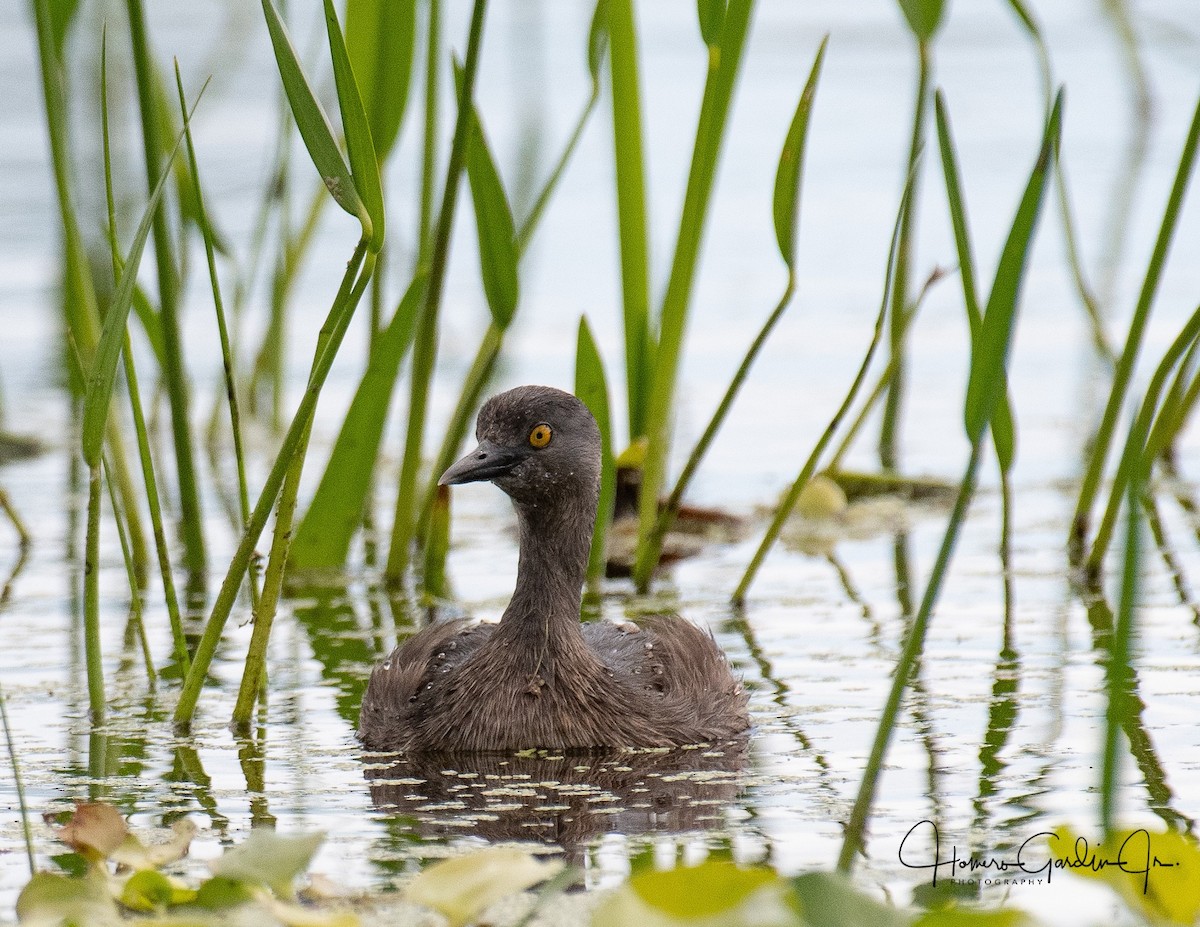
(1102,442)
(26,830)
(914,644)
(898,331)
(724,63)
(149,479)
(631,211)
(328,342)
(91,601)
(191,517)
(425,346)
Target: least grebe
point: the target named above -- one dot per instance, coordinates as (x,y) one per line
(540,678)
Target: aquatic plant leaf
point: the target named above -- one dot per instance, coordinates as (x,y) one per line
(1161,881)
(673,317)
(112,335)
(1003,430)
(52,899)
(294,915)
(222,892)
(713,893)
(630,167)
(62,13)
(311,120)
(380,36)
(494,223)
(462,887)
(72,864)
(268,858)
(830,899)
(591,385)
(95,830)
(149,890)
(133,853)
(598,35)
(712,17)
(786,204)
(323,539)
(989,353)
(713,887)
(969,917)
(364,168)
(924,17)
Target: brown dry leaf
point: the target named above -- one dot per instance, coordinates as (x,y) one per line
(95,830)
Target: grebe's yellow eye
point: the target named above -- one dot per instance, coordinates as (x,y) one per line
(541,435)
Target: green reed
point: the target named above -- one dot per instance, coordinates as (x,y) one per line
(425,348)
(18,784)
(191,520)
(629,161)
(1117,666)
(591,385)
(788,504)
(786,214)
(501,247)
(924,18)
(726,45)
(990,345)
(101,378)
(1123,373)
(150,481)
(353,181)
(80,309)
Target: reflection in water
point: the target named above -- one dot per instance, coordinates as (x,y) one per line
(1132,720)
(563,799)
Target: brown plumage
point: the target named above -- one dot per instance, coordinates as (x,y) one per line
(540,678)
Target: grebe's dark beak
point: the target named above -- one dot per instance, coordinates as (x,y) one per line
(486,462)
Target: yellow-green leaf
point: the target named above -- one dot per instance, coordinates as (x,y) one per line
(969,917)
(1156,873)
(924,16)
(152,891)
(268,858)
(462,887)
(836,902)
(713,894)
(54,899)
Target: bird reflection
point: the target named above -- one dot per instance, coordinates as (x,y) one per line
(560,798)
